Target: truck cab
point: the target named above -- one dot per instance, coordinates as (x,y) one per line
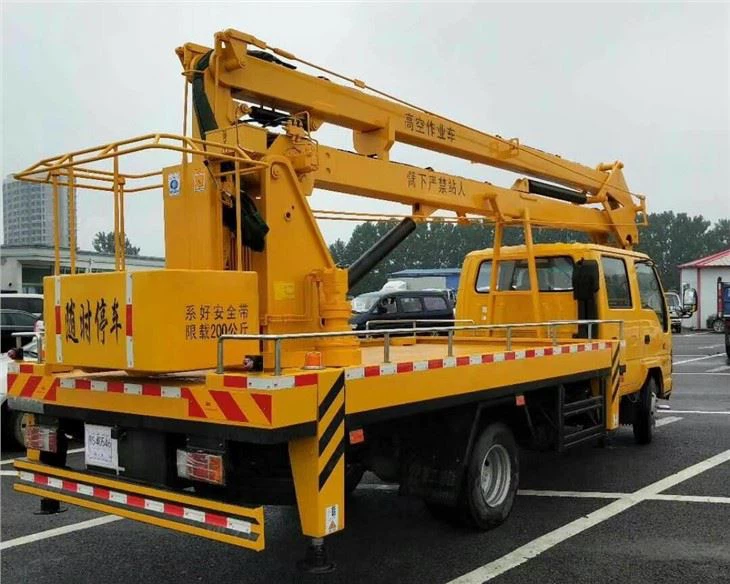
(625,286)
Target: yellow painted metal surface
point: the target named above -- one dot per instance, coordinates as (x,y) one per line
(318,462)
(190,191)
(420,386)
(155,321)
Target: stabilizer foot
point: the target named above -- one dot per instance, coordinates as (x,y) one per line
(50,507)
(315,560)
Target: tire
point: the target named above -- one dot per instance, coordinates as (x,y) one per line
(492,478)
(718,326)
(17,422)
(645,413)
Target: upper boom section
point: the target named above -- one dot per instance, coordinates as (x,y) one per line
(238,71)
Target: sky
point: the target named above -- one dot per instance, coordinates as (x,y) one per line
(647,84)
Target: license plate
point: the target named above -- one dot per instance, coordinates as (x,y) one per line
(101,449)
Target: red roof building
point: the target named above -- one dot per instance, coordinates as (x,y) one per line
(702,274)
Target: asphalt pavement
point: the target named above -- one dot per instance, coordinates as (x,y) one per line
(652,514)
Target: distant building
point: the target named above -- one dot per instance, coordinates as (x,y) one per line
(702,275)
(28,213)
(24,267)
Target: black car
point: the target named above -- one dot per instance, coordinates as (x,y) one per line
(15,321)
(407,306)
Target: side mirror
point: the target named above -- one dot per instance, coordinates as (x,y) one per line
(689,301)
(585,279)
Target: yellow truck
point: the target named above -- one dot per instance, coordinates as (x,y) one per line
(231,379)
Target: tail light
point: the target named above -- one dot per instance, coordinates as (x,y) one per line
(41,438)
(200,466)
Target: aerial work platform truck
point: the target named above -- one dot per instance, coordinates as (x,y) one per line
(231,379)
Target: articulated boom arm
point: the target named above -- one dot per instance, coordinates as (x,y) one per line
(238,73)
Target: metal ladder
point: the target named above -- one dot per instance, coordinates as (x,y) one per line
(568,410)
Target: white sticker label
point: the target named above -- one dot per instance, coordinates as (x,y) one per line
(101,448)
(173,184)
(331,519)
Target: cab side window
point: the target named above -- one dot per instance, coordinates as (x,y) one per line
(434,303)
(410,304)
(651,292)
(388,305)
(616,279)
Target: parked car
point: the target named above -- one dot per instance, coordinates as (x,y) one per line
(14,422)
(409,306)
(674,304)
(32,303)
(14,321)
(716,323)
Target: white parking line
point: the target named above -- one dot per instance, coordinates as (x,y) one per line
(534,548)
(668,420)
(12,460)
(697,359)
(718,369)
(571,494)
(715,412)
(58,531)
(602,495)
(698,373)
(691,499)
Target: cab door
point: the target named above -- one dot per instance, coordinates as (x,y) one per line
(656,340)
(618,302)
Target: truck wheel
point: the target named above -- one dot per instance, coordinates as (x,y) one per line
(718,326)
(645,413)
(491,478)
(18,423)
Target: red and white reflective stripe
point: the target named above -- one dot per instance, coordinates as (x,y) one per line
(150,389)
(13,367)
(129,321)
(136,501)
(278,382)
(385,369)
(57,318)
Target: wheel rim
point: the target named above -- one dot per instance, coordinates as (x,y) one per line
(496,475)
(20,426)
(652,409)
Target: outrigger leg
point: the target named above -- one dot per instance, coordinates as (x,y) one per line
(315,560)
(50,507)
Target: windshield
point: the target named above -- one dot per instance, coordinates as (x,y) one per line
(364,302)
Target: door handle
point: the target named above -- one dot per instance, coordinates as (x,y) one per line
(647,339)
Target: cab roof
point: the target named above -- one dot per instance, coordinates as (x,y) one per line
(552,249)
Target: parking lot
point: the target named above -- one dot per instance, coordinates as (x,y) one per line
(658,513)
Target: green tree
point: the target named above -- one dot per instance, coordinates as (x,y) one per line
(103,242)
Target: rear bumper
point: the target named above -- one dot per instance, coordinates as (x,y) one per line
(233,524)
